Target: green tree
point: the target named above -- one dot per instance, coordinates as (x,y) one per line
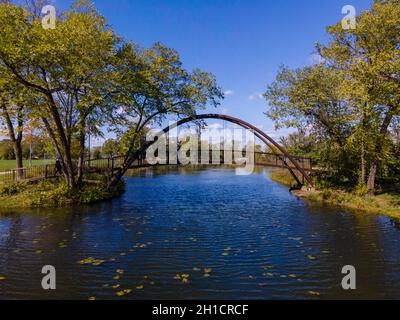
(6,150)
(370,57)
(67,69)
(310,99)
(352,98)
(152,85)
(110,148)
(15,110)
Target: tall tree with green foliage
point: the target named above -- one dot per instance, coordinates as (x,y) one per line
(370,58)
(66,67)
(152,85)
(310,99)
(353,96)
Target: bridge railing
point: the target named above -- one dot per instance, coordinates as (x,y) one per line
(111,163)
(279,160)
(260,158)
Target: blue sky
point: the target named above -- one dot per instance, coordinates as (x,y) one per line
(242,42)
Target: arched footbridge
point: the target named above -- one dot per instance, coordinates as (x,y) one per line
(299,167)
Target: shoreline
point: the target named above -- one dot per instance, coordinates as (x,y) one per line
(384,204)
(55,193)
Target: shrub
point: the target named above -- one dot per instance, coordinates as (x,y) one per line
(326,194)
(12,189)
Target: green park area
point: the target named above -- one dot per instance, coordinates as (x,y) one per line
(10,164)
(62,86)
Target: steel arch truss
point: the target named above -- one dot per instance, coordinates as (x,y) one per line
(284,155)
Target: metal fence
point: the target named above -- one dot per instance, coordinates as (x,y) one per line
(29,173)
(49,170)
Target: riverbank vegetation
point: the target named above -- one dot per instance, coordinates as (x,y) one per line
(346,106)
(56,193)
(385,203)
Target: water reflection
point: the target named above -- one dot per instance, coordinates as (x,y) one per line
(229,236)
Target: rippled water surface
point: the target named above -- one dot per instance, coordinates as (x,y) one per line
(226,236)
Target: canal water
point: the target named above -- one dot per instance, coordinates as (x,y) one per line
(206,234)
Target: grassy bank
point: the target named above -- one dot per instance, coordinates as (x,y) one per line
(282,177)
(55,193)
(386,204)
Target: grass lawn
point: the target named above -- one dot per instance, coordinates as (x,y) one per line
(10,164)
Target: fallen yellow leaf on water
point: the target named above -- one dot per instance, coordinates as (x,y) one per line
(185,280)
(206,275)
(120,271)
(116,278)
(267,267)
(98,262)
(139,287)
(196,269)
(116,286)
(314,293)
(311,257)
(185,275)
(123,292)
(92,298)
(2,278)
(207,270)
(268,274)
(292,276)
(92,261)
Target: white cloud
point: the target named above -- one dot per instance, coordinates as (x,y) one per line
(214,126)
(224,111)
(229,93)
(256,96)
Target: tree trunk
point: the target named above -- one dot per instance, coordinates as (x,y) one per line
(67,162)
(16,139)
(81,159)
(372,177)
(363,169)
(378,149)
(18,158)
